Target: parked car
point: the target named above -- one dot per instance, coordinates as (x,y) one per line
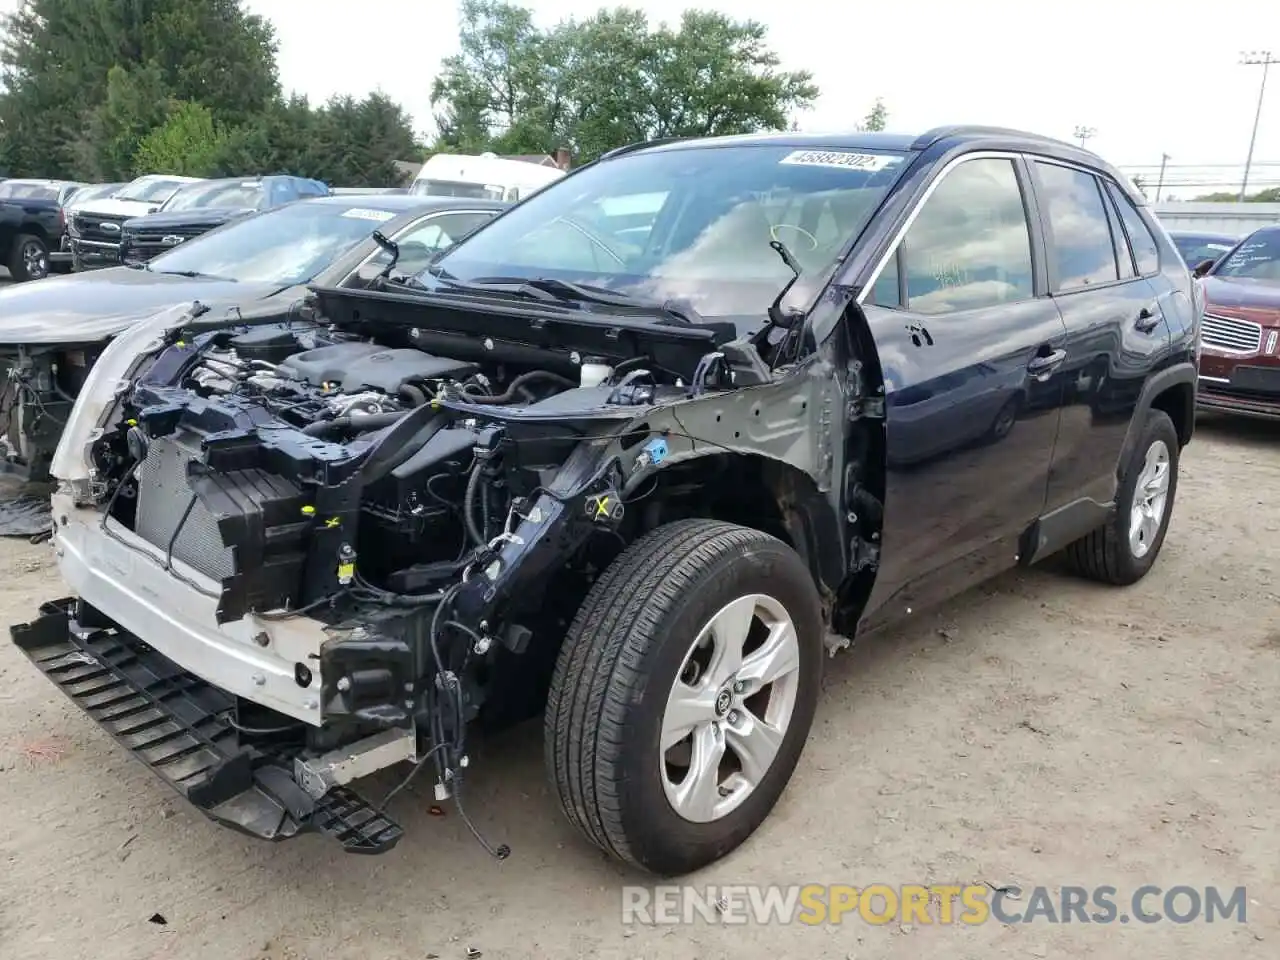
(32,225)
(643,487)
(95,228)
(200,207)
(51,333)
(62,258)
(1195,248)
(1240,340)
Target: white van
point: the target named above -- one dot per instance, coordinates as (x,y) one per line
(486,176)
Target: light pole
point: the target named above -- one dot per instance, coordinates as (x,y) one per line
(1164,158)
(1255,58)
(1084,133)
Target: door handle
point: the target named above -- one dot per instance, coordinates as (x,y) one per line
(1148,319)
(1046,363)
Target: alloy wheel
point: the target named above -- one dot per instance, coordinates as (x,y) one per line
(729,708)
(1150,500)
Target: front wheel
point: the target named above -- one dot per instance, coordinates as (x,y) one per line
(29,258)
(684,694)
(1122,551)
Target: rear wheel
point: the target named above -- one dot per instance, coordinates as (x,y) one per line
(1125,548)
(29,258)
(684,693)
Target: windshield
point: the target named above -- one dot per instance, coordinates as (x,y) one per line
(692,225)
(456,188)
(1256,258)
(96,192)
(150,191)
(229,194)
(284,246)
(1196,250)
(17,190)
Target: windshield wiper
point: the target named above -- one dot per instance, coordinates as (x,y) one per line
(550,289)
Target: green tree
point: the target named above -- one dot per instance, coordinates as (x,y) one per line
(137,102)
(1269,195)
(607,80)
(190,143)
(876,117)
(56,60)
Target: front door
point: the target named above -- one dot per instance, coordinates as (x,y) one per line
(968,348)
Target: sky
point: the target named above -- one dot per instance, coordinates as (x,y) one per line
(1150,78)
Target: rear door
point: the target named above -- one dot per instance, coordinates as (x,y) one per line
(967,342)
(1115,325)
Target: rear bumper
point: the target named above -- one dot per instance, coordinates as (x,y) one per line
(180,727)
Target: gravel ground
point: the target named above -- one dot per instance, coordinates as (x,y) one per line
(1039,730)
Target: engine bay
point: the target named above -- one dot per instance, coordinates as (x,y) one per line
(434,493)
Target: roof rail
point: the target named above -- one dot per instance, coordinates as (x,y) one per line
(930,137)
(639,145)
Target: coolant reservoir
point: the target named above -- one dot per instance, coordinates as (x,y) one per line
(595,371)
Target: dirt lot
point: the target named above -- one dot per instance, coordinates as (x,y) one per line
(1037,731)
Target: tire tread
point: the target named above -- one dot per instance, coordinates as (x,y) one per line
(598,670)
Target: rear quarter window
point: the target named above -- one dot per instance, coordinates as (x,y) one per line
(1145,251)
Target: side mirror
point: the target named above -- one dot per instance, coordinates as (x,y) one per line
(1203,268)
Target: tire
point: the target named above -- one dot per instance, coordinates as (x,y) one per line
(1108,554)
(29,258)
(629,642)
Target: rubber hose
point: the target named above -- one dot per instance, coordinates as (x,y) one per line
(361,421)
(469,507)
(415,396)
(513,389)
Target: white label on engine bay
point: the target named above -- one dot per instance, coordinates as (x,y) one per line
(840,158)
(364,213)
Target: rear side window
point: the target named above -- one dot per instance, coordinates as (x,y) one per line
(970,245)
(1145,251)
(1080,249)
(1124,256)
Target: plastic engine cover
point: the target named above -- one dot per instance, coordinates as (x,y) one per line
(367,366)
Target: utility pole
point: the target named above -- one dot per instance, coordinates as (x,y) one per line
(1255,58)
(1084,133)
(1164,158)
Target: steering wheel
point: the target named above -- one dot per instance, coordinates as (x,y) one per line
(813,241)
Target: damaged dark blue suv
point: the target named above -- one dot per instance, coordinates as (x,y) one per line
(637,455)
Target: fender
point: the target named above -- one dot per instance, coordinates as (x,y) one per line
(772,496)
(1179,374)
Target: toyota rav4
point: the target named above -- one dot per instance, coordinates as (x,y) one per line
(636,455)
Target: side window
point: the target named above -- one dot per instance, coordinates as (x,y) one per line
(885,291)
(1124,254)
(970,245)
(1145,251)
(1080,238)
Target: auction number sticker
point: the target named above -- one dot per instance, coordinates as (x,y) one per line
(364,213)
(840,158)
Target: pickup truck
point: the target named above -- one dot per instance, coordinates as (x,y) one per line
(95,228)
(32,224)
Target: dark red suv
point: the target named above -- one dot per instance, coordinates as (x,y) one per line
(1240,335)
